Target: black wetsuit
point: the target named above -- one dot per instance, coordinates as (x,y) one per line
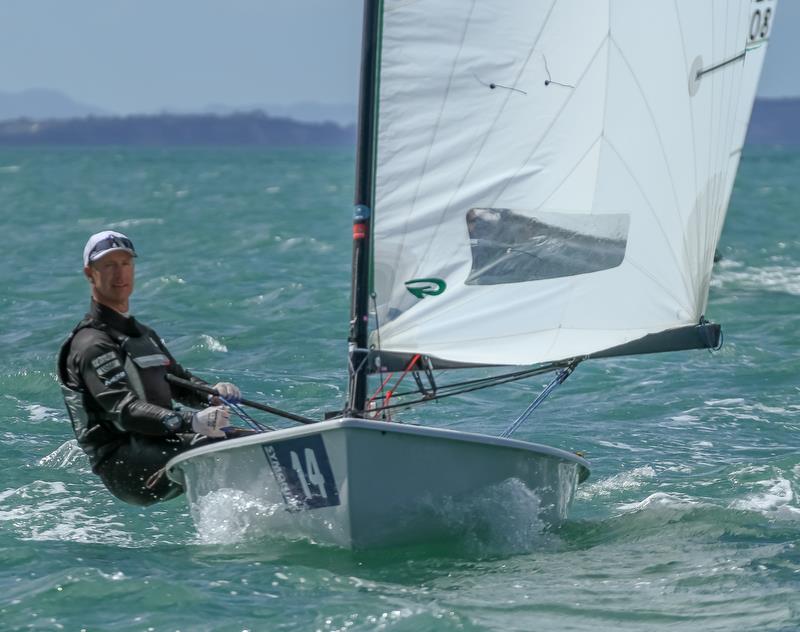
(112,371)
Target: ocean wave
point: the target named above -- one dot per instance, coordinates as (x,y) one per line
(211,343)
(661,501)
(37,412)
(768,279)
(774,499)
(52,510)
(633,479)
(140,221)
(308,243)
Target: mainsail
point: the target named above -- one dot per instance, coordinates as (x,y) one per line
(551,177)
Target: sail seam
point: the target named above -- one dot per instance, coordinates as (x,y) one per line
(650,206)
(577,164)
(552,124)
(732,125)
(641,269)
(689,100)
(719,80)
(723,147)
(570,290)
(687,284)
(711,144)
(435,132)
(722,157)
(468,299)
(487,134)
(431,350)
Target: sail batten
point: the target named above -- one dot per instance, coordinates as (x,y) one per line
(552,177)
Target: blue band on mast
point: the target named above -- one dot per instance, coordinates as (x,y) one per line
(361,213)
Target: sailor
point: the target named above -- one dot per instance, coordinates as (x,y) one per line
(112,371)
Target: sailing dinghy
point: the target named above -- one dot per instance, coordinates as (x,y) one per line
(538,184)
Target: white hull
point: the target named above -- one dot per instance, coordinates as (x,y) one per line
(360,484)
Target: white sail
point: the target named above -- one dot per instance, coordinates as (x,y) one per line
(552,176)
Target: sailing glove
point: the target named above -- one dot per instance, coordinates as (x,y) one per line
(210,421)
(229,391)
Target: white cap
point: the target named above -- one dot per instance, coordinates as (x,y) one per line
(100,244)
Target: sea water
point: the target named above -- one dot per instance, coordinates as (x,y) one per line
(689,521)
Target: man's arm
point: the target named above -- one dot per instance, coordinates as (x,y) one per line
(189,396)
(186,396)
(100,365)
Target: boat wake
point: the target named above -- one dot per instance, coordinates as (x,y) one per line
(503,519)
(500,520)
(228,516)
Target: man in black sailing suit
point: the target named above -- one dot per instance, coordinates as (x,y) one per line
(112,370)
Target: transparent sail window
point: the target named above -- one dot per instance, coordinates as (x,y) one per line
(508,247)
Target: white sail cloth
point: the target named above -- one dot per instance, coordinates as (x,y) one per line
(552,176)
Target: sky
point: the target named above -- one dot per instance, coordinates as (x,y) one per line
(142,56)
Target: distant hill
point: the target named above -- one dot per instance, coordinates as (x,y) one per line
(254,128)
(775,122)
(41,104)
(303,111)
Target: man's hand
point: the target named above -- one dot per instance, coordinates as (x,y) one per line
(228,391)
(210,421)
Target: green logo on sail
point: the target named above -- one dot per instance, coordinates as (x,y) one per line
(426,287)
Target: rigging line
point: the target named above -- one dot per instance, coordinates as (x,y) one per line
(374,298)
(486,136)
(379,390)
(408,368)
(558,380)
(688,287)
(354,370)
(240,412)
(492,379)
(720,65)
(442,396)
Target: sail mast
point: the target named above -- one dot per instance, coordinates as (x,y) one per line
(362,217)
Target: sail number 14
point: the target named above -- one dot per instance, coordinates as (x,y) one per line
(311,475)
(303,473)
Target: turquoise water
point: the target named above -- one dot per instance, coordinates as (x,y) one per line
(689,521)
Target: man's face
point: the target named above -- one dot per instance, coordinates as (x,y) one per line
(111,278)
